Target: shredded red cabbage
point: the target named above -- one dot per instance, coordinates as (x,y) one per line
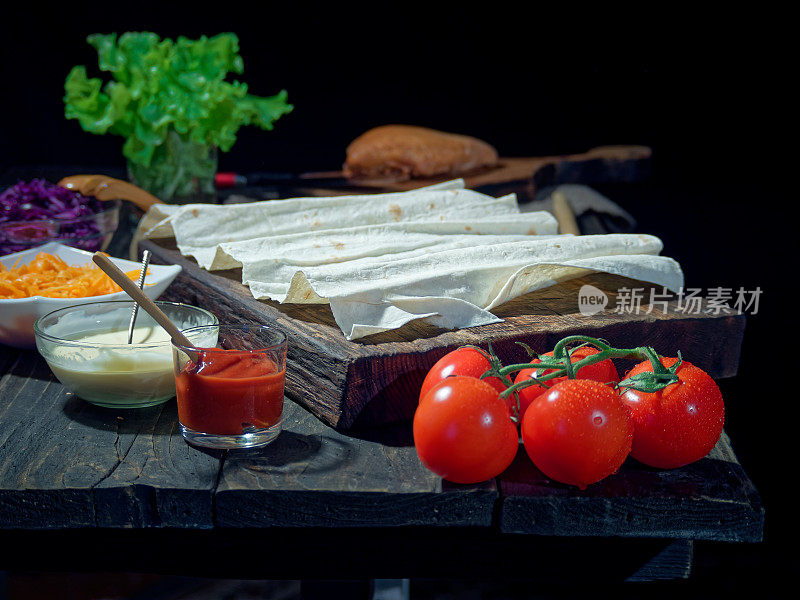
(32,213)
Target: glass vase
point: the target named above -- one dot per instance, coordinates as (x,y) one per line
(181,171)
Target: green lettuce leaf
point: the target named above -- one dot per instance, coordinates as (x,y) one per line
(162,86)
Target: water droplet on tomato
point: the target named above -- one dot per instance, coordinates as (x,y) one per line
(598,418)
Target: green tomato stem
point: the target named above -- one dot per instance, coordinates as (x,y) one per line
(561,365)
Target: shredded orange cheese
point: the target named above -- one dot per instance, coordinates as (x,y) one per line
(50,276)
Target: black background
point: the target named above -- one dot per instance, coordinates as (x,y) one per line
(707,93)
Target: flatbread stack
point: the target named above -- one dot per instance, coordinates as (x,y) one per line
(443,253)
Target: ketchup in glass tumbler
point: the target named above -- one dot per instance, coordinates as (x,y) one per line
(231,396)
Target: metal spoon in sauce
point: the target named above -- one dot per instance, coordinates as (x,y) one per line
(140,283)
(130,288)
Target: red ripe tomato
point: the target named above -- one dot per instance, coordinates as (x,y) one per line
(679,424)
(463,432)
(578,432)
(604,372)
(466,361)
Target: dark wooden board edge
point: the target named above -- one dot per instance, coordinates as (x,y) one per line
(712,499)
(317,371)
(674,561)
(348,384)
(680,518)
(525,175)
(385,388)
(472,508)
(709,500)
(46,509)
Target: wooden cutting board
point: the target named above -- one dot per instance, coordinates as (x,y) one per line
(376,380)
(521,175)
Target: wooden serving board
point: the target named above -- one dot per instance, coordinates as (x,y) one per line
(521,175)
(376,380)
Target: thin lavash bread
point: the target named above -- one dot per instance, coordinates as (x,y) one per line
(443,254)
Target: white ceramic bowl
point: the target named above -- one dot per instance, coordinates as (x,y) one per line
(112,374)
(17,316)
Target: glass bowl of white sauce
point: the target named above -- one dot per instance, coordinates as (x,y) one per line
(86,347)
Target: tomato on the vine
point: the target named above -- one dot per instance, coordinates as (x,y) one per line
(466,361)
(603,371)
(578,432)
(679,424)
(463,432)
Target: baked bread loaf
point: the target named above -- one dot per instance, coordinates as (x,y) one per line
(401,152)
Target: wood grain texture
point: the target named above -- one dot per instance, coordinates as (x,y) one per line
(160,480)
(313,476)
(674,561)
(522,175)
(376,380)
(66,464)
(711,499)
(40,478)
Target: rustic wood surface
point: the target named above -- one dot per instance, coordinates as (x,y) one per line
(674,561)
(316,476)
(521,175)
(376,379)
(652,502)
(67,464)
(72,475)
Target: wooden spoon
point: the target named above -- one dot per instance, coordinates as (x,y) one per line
(123,281)
(104,187)
(562,211)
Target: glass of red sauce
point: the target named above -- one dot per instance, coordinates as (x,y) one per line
(231,396)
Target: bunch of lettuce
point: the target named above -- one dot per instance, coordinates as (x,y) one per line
(161,86)
(35,212)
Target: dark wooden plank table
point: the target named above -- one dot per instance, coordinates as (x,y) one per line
(74,473)
(67,463)
(87,489)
